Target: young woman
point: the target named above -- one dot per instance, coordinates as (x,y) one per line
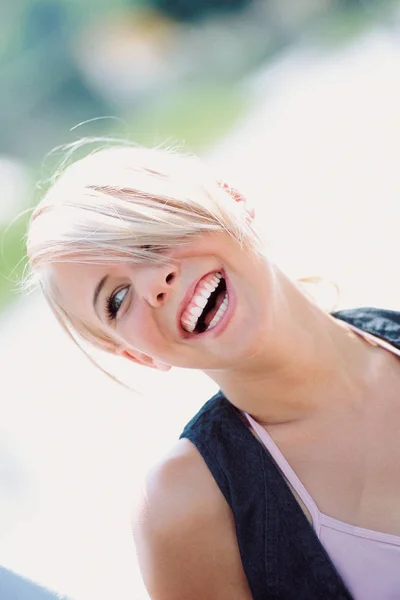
(286,484)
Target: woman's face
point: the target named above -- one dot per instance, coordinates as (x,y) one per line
(206,309)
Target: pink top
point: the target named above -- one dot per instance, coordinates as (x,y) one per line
(368,561)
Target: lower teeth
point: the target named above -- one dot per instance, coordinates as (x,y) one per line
(220,312)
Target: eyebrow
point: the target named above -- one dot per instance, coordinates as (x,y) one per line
(98,289)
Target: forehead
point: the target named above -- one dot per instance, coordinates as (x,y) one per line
(64,271)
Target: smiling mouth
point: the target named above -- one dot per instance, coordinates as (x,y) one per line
(207,306)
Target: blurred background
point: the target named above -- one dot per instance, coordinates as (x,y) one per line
(296,102)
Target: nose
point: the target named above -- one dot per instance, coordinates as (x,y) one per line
(155,283)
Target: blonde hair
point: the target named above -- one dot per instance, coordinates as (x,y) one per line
(125,203)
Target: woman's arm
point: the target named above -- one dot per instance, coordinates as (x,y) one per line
(185,534)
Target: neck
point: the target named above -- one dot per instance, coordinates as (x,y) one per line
(308,363)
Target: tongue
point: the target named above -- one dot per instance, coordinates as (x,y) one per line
(211,313)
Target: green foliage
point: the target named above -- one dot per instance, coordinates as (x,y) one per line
(193,10)
(352,19)
(197,115)
(12,252)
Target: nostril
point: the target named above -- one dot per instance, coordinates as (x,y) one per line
(169,277)
(160,297)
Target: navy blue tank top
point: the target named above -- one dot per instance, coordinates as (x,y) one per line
(280,552)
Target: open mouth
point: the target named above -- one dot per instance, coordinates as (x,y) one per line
(207,306)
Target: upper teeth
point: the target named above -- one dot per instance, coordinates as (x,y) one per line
(199,300)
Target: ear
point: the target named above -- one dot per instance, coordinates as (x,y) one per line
(238,197)
(142,359)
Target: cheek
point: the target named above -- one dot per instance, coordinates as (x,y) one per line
(140,330)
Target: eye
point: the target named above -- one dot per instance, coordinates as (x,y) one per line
(153,247)
(114,302)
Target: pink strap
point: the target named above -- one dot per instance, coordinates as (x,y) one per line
(286,469)
(375,340)
(281,461)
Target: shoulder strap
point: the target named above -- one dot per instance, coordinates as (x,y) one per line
(281,555)
(377,321)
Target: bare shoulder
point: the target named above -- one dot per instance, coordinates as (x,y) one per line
(184,533)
